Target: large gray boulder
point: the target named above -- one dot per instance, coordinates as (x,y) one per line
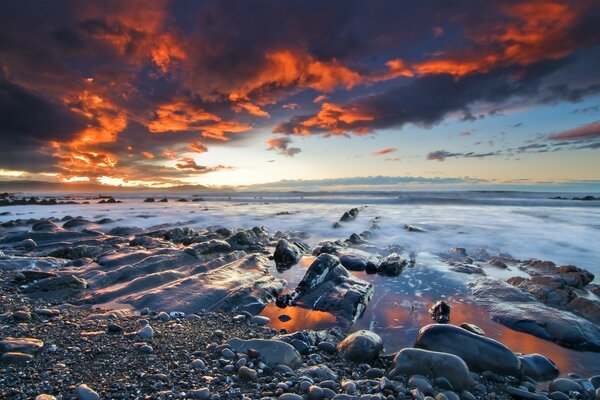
(287,254)
(274,352)
(479,352)
(361,346)
(434,365)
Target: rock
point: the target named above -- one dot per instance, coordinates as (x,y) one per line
(34,275)
(284,318)
(473,328)
(23,345)
(274,352)
(328,286)
(349,387)
(564,385)
(247,374)
(374,373)
(200,394)
(327,347)
(163,316)
(22,316)
(559,396)
(420,382)
(440,312)
(354,261)
(524,394)
(479,352)
(146,349)
(433,364)
(595,381)
(198,363)
(149,200)
(392,265)
(86,393)
(45,397)
(588,308)
(361,346)
(321,372)
(520,311)
(286,254)
(27,245)
(15,357)
(260,320)
(146,332)
(114,328)
(315,393)
(538,367)
(62,285)
(289,396)
(349,215)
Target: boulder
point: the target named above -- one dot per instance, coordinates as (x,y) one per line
(479,352)
(274,352)
(287,254)
(538,367)
(361,346)
(392,265)
(433,365)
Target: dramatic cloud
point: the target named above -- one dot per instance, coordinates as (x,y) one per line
(282,146)
(113,91)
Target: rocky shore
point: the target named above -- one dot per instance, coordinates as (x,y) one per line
(180,318)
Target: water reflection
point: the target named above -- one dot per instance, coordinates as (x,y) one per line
(302,318)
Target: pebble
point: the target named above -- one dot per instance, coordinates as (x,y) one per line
(145,311)
(146,332)
(84,392)
(114,328)
(349,387)
(315,393)
(22,316)
(228,354)
(327,347)
(595,381)
(373,373)
(14,357)
(163,316)
(421,383)
(45,397)
(260,320)
(466,395)
(564,385)
(198,363)
(146,349)
(201,394)
(559,396)
(247,374)
(289,396)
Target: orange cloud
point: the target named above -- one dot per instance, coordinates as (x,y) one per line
(198,147)
(387,150)
(336,119)
(251,108)
(147,154)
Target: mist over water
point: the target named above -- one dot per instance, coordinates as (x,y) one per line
(525,225)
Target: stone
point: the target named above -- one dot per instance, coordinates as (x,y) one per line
(410,361)
(473,328)
(289,396)
(538,367)
(327,347)
(479,353)
(440,312)
(564,385)
(22,316)
(147,332)
(260,320)
(361,346)
(15,357)
(247,374)
(286,254)
(23,345)
(420,382)
(45,397)
(392,265)
(519,394)
(559,396)
(84,392)
(200,394)
(198,363)
(27,245)
(315,393)
(321,372)
(274,352)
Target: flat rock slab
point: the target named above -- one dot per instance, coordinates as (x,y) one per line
(22,345)
(520,311)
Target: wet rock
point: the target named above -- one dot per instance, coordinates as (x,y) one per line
(287,254)
(33,275)
(361,346)
(328,286)
(45,226)
(434,365)
(538,367)
(200,394)
(27,245)
(473,328)
(521,394)
(274,352)
(84,392)
(180,235)
(588,308)
(147,332)
(149,200)
(479,352)
(22,316)
(414,228)
(249,239)
(329,247)
(440,312)
(349,215)
(209,247)
(392,265)
(456,254)
(565,385)
(356,261)
(260,320)
(520,311)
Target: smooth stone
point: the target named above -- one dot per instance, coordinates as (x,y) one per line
(538,367)
(450,395)
(473,328)
(315,393)
(420,382)
(327,347)
(146,332)
(521,394)
(290,396)
(361,346)
(564,385)
(434,364)
(14,357)
(22,345)
(114,328)
(260,320)
(45,397)
(274,352)
(349,387)
(559,396)
(373,373)
(198,363)
(595,381)
(22,316)
(228,354)
(84,392)
(466,395)
(200,394)
(163,316)
(320,372)
(146,349)
(247,374)
(478,352)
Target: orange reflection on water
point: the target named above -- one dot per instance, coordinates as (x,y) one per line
(302,318)
(402,315)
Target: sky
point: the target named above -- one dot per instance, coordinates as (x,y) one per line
(237,93)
